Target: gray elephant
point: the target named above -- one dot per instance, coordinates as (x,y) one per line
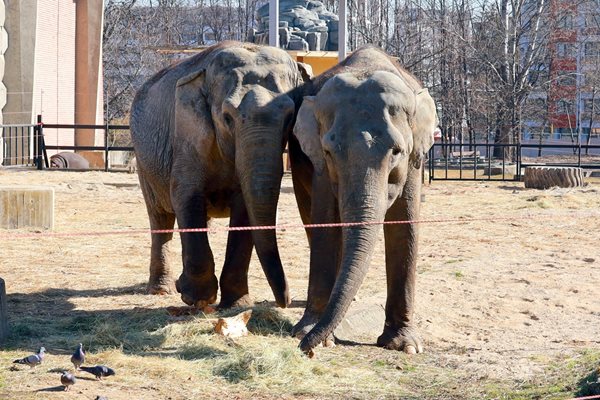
(68,160)
(357,156)
(208,135)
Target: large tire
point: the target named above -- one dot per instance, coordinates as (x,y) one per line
(541,177)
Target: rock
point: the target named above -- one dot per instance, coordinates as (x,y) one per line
(364,320)
(314,41)
(542,177)
(299,35)
(298,45)
(299,17)
(324,42)
(284,38)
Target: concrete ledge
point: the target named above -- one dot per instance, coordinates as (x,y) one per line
(26,206)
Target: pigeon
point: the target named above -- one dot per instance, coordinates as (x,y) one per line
(78,357)
(34,359)
(67,380)
(99,371)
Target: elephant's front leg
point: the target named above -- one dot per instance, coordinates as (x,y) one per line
(325,247)
(401,242)
(197,283)
(161,281)
(234,277)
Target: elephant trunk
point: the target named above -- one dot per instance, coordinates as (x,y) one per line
(259,167)
(357,250)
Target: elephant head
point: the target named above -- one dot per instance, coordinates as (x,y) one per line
(238,104)
(363,132)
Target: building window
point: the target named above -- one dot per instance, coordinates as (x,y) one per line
(569,79)
(590,106)
(592,20)
(565,22)
(564,107)
(592,50)
(565,50)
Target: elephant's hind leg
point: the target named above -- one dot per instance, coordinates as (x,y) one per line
(161,281)
(234,277)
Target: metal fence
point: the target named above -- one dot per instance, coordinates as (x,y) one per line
(25,145)
(476,161)
(18,145)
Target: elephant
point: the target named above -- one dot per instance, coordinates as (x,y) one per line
(208,135)
(68,160)
(357,151)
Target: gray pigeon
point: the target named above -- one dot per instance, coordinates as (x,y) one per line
(78,357)
(67,380)
(99,371)
(34,359)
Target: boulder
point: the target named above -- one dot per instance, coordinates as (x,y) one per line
(298,45)
(314,41)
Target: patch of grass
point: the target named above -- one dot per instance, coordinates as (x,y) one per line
(453,261)
(458,274)
(562,378)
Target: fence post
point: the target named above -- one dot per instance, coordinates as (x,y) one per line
(106,147)
(40,142)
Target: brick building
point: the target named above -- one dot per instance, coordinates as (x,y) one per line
(52,66)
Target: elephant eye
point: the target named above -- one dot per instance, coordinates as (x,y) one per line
(228,120)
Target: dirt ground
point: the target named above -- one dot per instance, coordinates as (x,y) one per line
(505,296)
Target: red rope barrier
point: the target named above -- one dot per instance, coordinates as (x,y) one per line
(282,227)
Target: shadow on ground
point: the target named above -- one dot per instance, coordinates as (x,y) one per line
(590,385)
(49,319)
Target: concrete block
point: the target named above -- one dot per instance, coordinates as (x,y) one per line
(26,206)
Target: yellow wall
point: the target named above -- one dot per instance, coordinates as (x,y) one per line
(320,61)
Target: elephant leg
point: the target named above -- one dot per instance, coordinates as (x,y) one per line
(234,277)
(161,281)
(325,248)
(197,283)
(301,179)
(401,242)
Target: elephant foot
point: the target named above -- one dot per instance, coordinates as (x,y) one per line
(197,292)
(241,302)
(403,339)
(161,286)
(305,325)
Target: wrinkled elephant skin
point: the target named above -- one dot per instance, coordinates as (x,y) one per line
(208,135)
(357,153)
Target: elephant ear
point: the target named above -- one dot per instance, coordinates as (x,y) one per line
(306,130)
(305,71)
(193,122)
(423,125)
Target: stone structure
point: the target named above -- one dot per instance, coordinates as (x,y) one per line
(52,53)
(304,25)
(26,206)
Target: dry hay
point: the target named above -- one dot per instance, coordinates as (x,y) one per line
(504,306)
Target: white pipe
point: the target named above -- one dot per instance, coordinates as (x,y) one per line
(342,31)
(274,23)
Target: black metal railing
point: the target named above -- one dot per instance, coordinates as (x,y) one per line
(480,163)
(25,145)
